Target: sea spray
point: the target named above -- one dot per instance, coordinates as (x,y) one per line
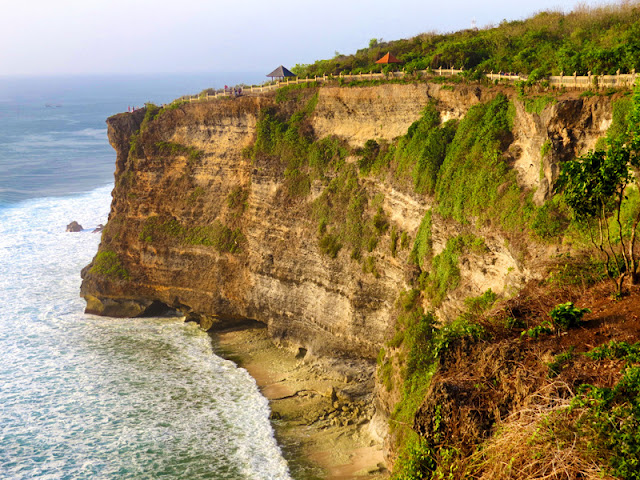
(100,398)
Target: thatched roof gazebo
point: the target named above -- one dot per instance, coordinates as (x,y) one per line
(387,59)
(280,73)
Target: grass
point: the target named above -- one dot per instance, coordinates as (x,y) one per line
(217,235)
(345,218)
(444,274)
(175,149)
(424,345)
(610,416)
(108,264)
(422,246)
(420,153)
(538,103)
(474,181)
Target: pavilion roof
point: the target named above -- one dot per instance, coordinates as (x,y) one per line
(388,58)
(281,72)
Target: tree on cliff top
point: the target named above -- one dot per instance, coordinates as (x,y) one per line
(595,188)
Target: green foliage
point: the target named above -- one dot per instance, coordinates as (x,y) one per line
(611,415)
(474,180)
(601,39)
(461,327)
(135,146)
(237,199)
(416,461)
(108,264)
(620,123)
(577,271)
(327,154)
(369,266)
(285,136)
(329,245)
(343,211)
(422,246)
(292,92)
(560,362)
(551,220)
(176,149)
(545,328)
(616,350)
(425,345)
(592,181)
(537,104)
(445,273)
(394,241)
(297,183)
(478,305)
(545,148)
(566,316)
(594,188)
(512,323)
(368,155)
(217,235)
(150,114)
(422,150)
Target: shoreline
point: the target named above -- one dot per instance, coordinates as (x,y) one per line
(320,416)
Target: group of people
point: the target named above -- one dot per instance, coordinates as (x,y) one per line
(236,92)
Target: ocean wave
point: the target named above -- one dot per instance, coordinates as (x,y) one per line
(101,398)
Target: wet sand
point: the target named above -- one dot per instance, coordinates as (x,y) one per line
(322,426)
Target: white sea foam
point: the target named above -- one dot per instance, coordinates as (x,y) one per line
(84,397)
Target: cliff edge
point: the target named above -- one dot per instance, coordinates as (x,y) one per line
(295,209)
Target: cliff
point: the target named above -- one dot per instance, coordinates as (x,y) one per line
(208,219)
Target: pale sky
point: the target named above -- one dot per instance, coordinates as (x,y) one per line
(41,37)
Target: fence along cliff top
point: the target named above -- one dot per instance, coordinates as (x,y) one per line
(584,82)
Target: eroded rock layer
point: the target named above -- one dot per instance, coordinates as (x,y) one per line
(198,226)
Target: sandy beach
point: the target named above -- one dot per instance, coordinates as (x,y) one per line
(321,416)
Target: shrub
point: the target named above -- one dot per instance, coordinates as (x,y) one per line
(566,316)
(611,415)
(560,361)
(329,245)
(545,328)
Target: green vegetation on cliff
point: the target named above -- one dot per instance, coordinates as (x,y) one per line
(108,264)
(600,39)
(217,235)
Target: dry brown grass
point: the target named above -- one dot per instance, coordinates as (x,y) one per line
(537,442)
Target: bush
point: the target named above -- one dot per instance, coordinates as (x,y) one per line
(566,316)
(545,328)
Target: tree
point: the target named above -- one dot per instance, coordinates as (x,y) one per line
(595,186)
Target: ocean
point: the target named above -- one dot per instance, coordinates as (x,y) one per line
(86,397)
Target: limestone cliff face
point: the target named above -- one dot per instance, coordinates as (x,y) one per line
(197,226)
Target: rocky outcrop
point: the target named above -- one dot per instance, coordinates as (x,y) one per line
(187,173)
(74,227)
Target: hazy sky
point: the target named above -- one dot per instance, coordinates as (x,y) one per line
(149,36)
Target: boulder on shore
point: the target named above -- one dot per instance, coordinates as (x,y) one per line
(74,227)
